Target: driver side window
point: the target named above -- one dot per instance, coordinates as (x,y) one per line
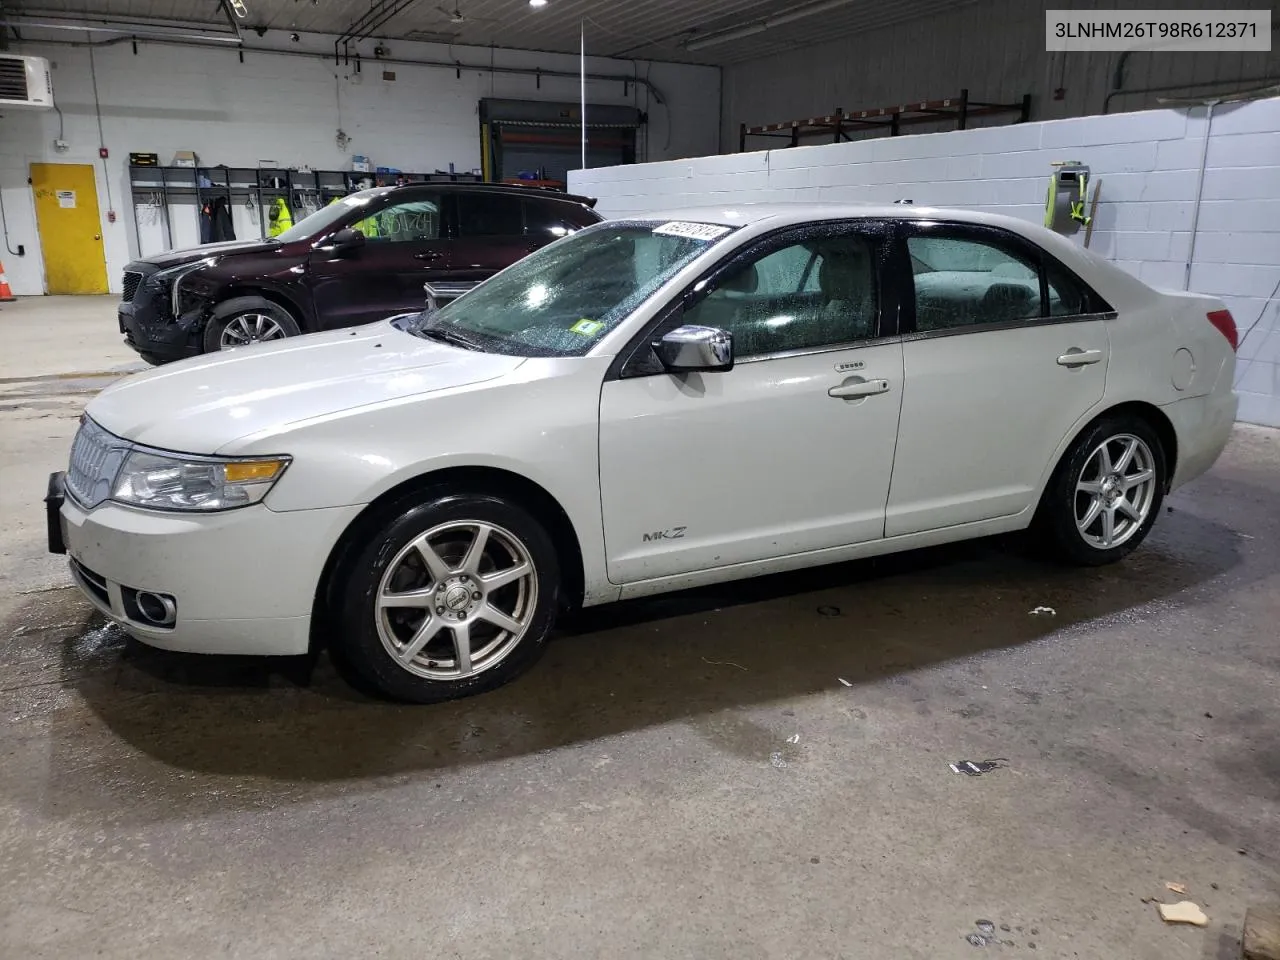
(411,221)
(812,294)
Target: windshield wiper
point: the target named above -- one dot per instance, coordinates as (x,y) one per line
(441,335)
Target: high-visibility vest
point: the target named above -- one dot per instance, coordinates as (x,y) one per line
(280,219)
(368,226)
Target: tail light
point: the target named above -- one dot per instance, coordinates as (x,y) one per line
(1226,325)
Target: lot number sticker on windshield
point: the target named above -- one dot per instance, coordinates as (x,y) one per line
(693,231)
(588,328)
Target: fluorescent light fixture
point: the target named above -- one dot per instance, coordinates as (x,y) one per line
(537,3)
(760,26)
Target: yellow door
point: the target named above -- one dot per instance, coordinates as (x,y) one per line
(70,227)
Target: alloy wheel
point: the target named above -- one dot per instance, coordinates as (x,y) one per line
(456,600)
(247,328)
(1115,491)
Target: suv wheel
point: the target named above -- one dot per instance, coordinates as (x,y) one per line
(449,598)
(1106,494)
(245,320)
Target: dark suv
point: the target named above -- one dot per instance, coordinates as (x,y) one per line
(365,257)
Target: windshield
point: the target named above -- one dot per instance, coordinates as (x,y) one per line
(324,218)
(560,301)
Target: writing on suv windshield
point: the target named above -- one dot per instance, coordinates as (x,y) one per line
(562,299)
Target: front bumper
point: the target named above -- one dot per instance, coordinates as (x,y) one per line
(147,327)
(243,581)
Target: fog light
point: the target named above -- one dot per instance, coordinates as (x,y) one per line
(149,608)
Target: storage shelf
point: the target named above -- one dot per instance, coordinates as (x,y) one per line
(837,126)
(195,185)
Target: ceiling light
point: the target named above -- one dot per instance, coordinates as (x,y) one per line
(537,3)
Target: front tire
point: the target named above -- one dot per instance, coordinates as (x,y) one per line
(450,597)
(244,320)
(1106,493)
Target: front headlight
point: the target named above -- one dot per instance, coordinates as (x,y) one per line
(171,279)
(175,482)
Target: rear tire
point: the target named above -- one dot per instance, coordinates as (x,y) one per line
(425,615)
(1105,495)
(244,320)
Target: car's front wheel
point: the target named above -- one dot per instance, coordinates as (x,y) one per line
(244,320)
(1106,493)
(451,596)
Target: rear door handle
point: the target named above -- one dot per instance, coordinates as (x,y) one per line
(428,255)
(1079,358)
(862,388)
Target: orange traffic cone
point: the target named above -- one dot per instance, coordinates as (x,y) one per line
(6,295)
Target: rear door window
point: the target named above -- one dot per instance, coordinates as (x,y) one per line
(489,215)
(965,281)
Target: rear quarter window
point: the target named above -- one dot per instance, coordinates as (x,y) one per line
(551,219)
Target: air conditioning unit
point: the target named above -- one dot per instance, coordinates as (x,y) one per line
(25,83)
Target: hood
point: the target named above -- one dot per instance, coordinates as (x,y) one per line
(174,258)
(203,404)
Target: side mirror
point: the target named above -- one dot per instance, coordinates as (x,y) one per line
(343,241)
(690,349)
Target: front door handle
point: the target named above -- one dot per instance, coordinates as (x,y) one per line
(1079,358)
(852,390)
(428,255)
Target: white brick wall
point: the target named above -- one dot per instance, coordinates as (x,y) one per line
(286,108)
(1147,162)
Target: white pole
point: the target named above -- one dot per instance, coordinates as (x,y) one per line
(582,66)
(1195,215)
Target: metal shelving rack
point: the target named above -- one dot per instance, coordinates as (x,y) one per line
(838,125)
(261,185)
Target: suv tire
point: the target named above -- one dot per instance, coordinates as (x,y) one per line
(245,320)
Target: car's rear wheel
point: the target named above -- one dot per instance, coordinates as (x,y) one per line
(1106,493)
(244,320)
(450,597)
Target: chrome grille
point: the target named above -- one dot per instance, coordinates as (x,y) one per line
(96,457)
(131,281)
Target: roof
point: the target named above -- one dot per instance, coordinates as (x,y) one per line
(516,188)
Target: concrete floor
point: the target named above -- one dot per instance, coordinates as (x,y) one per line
(642,793)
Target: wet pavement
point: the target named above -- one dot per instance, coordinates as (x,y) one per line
(759,770)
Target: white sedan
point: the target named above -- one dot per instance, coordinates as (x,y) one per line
(644,406)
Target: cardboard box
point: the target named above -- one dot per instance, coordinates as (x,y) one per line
(184,158)
(360,166)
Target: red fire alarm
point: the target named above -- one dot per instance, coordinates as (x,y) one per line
(102,152)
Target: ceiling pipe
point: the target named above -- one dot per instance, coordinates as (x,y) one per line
(455,65)
(113,20)
(1210,103)
(768,23)
(231,17)
(120,32)
(378,14)
(1172,87)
